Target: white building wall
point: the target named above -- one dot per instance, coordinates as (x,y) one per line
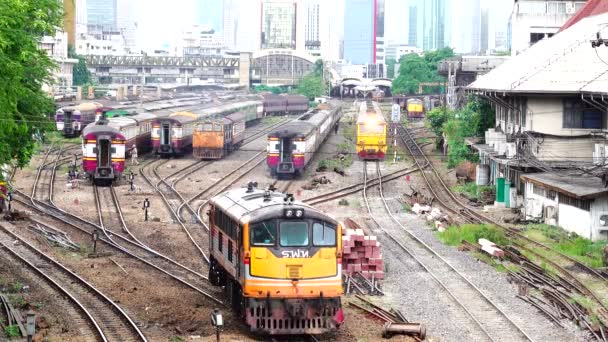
(575,220)
(533,16)
(599,207)
(584,223)
(546,115)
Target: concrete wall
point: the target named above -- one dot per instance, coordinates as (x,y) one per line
(575,220)
(546,115)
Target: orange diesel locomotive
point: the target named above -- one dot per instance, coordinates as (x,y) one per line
(279,260)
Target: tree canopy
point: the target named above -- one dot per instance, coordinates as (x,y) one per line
(390,67)
(80,73)
(414,69)
(471,121)
(24,68)
(311,86)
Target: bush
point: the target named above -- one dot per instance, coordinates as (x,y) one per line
(472,190)
(12,331)
(472,233)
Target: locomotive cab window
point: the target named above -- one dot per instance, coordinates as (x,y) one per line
(294,233)
(323,234)
(264,234)
(208,127)
(217,127)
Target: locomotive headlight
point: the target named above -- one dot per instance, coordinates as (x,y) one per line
(299,213)
(289,213)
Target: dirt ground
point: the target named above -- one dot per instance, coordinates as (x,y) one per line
(166,310)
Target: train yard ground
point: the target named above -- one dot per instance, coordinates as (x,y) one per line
(156,273)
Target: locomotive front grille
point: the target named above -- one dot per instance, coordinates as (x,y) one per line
(293,271)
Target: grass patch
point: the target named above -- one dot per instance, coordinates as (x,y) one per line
(584,250)
(12,331)
(406,208)
(472,190)
(17,286)
(271,120)
(472,233)
(336,163)
(176,339)
(17,300)
(56,137)
(495,263)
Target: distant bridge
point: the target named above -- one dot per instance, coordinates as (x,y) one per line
(277,67)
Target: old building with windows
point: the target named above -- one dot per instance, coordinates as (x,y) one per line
(550,137)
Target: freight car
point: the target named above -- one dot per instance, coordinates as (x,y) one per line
(292,147)
(72,119)
(103,152)
(371,133)
(279,261)
(215,138)
(285,104)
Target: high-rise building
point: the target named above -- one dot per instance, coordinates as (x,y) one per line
(101,15)
(312,29)
(484,30)
(412,37)
(209,13)
(436,25)
(81,17)
(230,24)
(280,25)
(126,22)
(359,31)
(379,14)
(364,31)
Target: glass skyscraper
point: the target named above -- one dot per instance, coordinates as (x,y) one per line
(101,14)
(364,31)
(278,25)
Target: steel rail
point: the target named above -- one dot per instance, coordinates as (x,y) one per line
(172,211)
(109,237)
(108,313)
(475,217)
(476,289)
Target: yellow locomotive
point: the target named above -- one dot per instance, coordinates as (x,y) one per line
(279,260)
(371,133)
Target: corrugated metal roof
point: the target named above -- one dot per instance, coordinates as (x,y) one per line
(565,63)
(580,186)
(591,8)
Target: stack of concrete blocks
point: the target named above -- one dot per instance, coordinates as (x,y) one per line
(361,254)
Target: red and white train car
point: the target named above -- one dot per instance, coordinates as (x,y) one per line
(136,129)
(291,148)
(103,153)
(172,135)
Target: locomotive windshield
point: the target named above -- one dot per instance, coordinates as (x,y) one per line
(323,234)
(294,233)
(264,234)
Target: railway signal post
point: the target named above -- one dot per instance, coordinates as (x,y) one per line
(95,238)
(9,199)
(30,325)
(131,178)
(146,206)
(395,118)
(217,321)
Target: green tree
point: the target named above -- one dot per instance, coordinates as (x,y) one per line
(471,121)
(24,68)
(318,67)
(390,66)
(414,69)
(80,73)
(312,86)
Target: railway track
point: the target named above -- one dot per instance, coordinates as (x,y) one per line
(573,270)
(491,321)
(352,189)
(104,319)
(127,245)
(111,219)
